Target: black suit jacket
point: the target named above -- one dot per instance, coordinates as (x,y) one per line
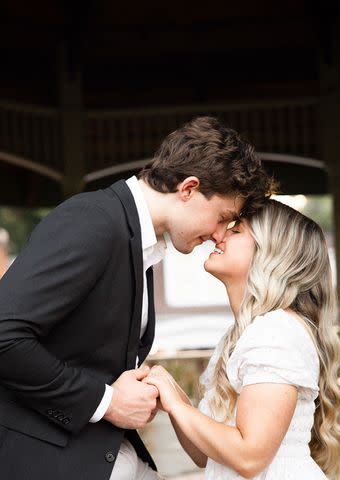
(70,313)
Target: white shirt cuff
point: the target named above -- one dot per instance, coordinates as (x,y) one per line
(103,406)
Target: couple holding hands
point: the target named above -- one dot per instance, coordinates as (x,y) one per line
(77,321)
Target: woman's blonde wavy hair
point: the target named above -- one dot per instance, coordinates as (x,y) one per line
(291,269)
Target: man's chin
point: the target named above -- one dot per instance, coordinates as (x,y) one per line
(185,249)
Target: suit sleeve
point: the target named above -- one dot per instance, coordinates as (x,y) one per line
(62,261)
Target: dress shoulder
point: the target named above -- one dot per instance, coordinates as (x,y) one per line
(275,348)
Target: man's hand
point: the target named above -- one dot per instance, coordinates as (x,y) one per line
(169,391)
(133,403)
(159,370)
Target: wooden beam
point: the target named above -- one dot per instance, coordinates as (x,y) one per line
(117,40)
(330,120)
(30,165)
(72,115)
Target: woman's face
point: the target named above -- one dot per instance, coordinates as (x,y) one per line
(232,258)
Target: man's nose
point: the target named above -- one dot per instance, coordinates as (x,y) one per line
(219,234)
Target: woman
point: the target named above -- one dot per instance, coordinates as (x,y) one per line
(271,384)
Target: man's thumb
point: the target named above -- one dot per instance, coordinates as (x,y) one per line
(141,373)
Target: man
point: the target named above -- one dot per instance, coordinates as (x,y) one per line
(76,307)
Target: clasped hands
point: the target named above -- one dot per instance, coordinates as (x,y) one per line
(169,391)
(138,394)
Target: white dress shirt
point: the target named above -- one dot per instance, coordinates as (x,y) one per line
(153,252)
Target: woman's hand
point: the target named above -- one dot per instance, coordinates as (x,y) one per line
(169,391)
(171,396)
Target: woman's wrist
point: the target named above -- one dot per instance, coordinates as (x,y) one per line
(177,409)
(184,397)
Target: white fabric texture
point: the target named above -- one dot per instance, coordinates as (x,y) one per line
(129,466)
(153,249)
(103,406)
(275,348)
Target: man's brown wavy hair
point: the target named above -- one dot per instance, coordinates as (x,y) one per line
(224,162)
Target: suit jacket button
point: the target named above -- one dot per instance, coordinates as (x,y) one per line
(109,457)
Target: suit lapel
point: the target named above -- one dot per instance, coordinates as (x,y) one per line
(122,191)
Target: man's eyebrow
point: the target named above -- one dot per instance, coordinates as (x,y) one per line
(231,212)
(234,215)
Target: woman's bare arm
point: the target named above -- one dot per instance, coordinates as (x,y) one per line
(263,416)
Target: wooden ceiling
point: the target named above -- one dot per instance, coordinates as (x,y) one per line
(153,53)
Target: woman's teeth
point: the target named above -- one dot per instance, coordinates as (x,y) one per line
(218,250)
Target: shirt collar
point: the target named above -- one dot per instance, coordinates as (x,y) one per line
(149,238)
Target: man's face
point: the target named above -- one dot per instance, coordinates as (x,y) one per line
(198,219)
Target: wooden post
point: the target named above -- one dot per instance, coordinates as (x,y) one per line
(72,115)
(330,121)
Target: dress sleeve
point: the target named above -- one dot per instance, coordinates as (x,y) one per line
(275,350)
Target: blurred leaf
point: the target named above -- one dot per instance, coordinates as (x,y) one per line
(19,222)
(320,209)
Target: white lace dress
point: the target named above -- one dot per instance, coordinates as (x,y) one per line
(275,348)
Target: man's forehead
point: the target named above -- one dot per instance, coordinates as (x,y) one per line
(232,205)
(231,213)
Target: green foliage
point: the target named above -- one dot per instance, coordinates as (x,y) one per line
(320,209)
(186,372)
(19,222)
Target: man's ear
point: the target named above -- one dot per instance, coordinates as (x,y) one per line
(186,188)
